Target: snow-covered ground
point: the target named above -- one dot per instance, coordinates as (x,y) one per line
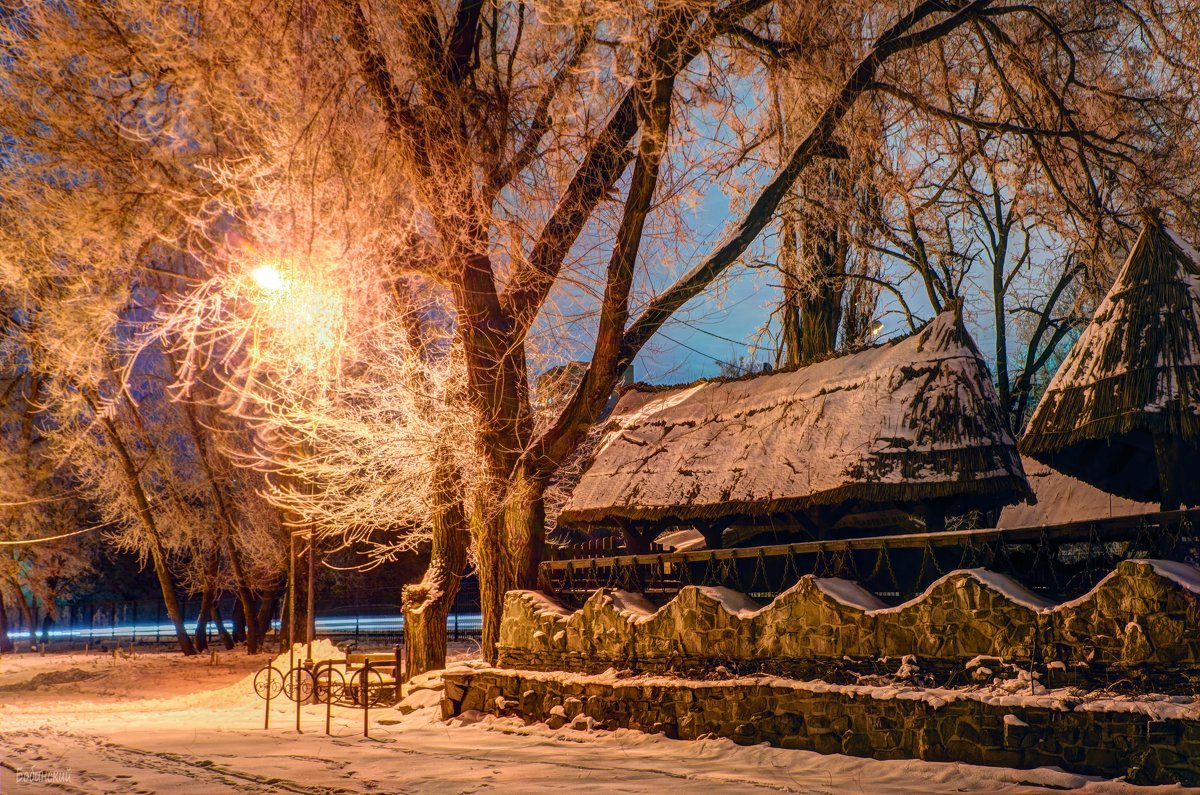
(160,723)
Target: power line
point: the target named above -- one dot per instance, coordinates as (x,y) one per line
(702,353)
(25,542)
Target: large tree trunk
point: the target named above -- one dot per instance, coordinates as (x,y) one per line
(225,529)
(22,604)
(427,604)
(157,553)
(6,643)
(226,638)
(525,526)
(206,605)
(824,251)
(266,609)
(486,530)
(239,623)
(254,635)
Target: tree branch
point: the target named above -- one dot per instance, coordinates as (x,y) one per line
(895,40)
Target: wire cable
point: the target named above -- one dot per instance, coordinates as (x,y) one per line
(25,542)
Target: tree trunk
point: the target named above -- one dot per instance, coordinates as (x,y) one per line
(266,609)
(225,530)
(1168,456)
(427,604)
(6,644)
(525,529)
(789,350)
(226,639)
(239,624)
(157,553)
(251,632)
(485,530)
(824,253)
(22,604)
(206,603)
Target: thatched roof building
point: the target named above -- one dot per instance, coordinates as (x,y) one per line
(1062,499)
(912,424)
(1123,411)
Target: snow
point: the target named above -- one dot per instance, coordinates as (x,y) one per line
(631,605)
(849,593)
(541,604)
(1000,583)
(685,540)
(1181,573)
(1062,498)
(163,723)
(716,447)
(1184,247)
(735,603)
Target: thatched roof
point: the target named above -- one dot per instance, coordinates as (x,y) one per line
(1062,499)
(1134,373)
(912,420)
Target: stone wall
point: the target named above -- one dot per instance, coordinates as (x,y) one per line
(1140,623)
(884,723)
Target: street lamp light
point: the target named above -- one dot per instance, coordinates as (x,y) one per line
(268,277)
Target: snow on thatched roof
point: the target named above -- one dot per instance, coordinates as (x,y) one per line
(1062,499)
(911,420)
(1137,365)
(1134,373)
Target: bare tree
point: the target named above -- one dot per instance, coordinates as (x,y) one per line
(507,159)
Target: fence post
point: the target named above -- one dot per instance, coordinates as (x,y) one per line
(365,688)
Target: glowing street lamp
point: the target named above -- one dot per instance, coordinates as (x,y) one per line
(268,278)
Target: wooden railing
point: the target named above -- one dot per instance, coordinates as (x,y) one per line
(1060,559)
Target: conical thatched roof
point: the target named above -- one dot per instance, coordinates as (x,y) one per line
(1133,378)
(908,421)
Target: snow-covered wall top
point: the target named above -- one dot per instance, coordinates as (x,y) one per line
(913,419)
(1143,617)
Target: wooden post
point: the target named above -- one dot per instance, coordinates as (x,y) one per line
(636,541)
(311,623)
(712,530)
(935,515)
(1168,459)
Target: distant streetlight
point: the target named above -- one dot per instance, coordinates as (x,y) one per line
(268,278)
(876,328)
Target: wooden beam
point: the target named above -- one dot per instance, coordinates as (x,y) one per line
(1112,528)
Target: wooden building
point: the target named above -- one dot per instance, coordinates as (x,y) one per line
(888,439)
(1122,413)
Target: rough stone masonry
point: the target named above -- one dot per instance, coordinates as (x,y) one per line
(945,652)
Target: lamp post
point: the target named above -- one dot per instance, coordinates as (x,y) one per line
(274,286)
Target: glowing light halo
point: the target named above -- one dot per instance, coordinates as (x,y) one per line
(269,278)
(302,314)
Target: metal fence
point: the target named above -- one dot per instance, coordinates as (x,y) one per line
(1058,561)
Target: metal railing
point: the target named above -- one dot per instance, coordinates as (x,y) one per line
(1057,560)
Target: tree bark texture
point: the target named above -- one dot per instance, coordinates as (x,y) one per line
(6,644)
(427,604)
(157,553)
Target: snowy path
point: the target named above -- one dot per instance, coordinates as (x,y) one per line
(209,739)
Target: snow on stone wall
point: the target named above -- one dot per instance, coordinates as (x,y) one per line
(1143,619)
(1095,738)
